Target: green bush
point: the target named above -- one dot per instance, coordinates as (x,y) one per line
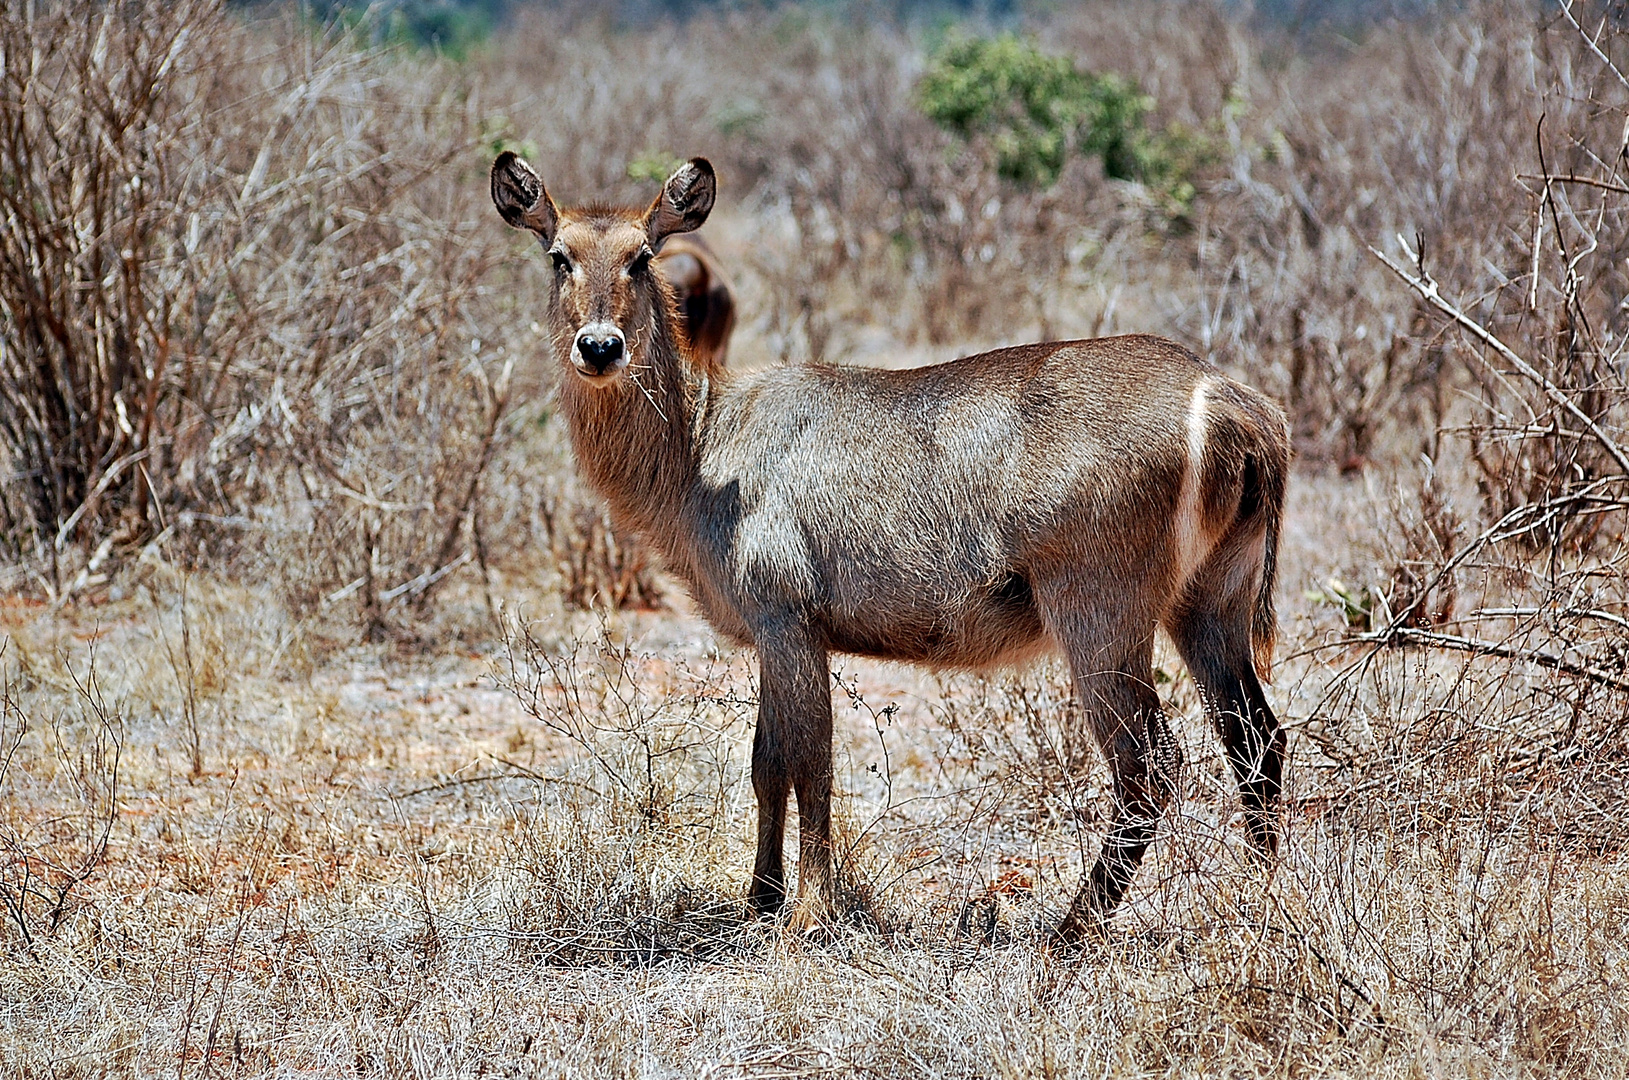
(1035,109)
(449,27)
(1024,101)
(655,165)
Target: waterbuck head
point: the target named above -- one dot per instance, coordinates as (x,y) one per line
(605,295)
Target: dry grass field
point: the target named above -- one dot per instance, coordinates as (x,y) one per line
(341,735)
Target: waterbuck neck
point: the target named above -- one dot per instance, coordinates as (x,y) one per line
(636,442)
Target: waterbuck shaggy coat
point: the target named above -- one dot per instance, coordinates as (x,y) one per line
(1068,496)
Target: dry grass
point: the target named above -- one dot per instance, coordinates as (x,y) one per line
(312,763)
(394,867)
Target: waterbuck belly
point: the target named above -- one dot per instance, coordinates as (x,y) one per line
(983,626)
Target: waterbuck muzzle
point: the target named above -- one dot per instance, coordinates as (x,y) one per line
(599,351)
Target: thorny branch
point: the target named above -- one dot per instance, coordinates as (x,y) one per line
(1397,636)
(1431,292)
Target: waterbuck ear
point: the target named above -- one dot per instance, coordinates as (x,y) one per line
(685,201)
(518,194)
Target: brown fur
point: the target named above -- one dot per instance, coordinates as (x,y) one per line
(1068,495)
(706,305)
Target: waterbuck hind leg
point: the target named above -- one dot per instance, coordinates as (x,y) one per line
(1117,698)
(1223,624)
(1216,647)
(792,750)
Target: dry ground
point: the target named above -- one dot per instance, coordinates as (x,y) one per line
(472,860)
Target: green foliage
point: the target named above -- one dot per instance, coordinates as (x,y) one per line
(1355,605)
(1035,109)
(449,27)
(655,165)
(740,116)
(1025,102)
(496,134)
(1114,126)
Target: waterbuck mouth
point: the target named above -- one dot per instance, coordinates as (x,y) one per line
(599,352)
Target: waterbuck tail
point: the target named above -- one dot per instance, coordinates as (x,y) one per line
(1271,469)
(1247,462)
(1268,473)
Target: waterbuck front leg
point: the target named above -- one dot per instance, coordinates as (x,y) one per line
(771,784)
(1114,683)
(792,750)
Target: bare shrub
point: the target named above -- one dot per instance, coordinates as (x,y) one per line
(239,303)
(92,167)
(598,563)
(658,741)
(1551,416)
(46,858)
(1431,531)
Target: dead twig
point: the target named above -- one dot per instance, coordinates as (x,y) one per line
(1587,181)
(1427,287)
(1402,636)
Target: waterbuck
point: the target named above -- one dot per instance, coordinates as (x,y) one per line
(706,308)
(1066,495)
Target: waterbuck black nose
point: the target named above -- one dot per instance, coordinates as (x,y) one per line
(600,352)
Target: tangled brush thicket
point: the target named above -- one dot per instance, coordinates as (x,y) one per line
(255,304)
(241,306)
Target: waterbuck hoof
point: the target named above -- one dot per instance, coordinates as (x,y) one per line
(1077,930)
(1264,838)
(810,917)
(764,907)
(765,898)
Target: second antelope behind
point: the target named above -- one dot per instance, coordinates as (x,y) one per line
(1066,496)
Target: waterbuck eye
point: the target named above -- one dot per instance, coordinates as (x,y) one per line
(641,263)
(562,265)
